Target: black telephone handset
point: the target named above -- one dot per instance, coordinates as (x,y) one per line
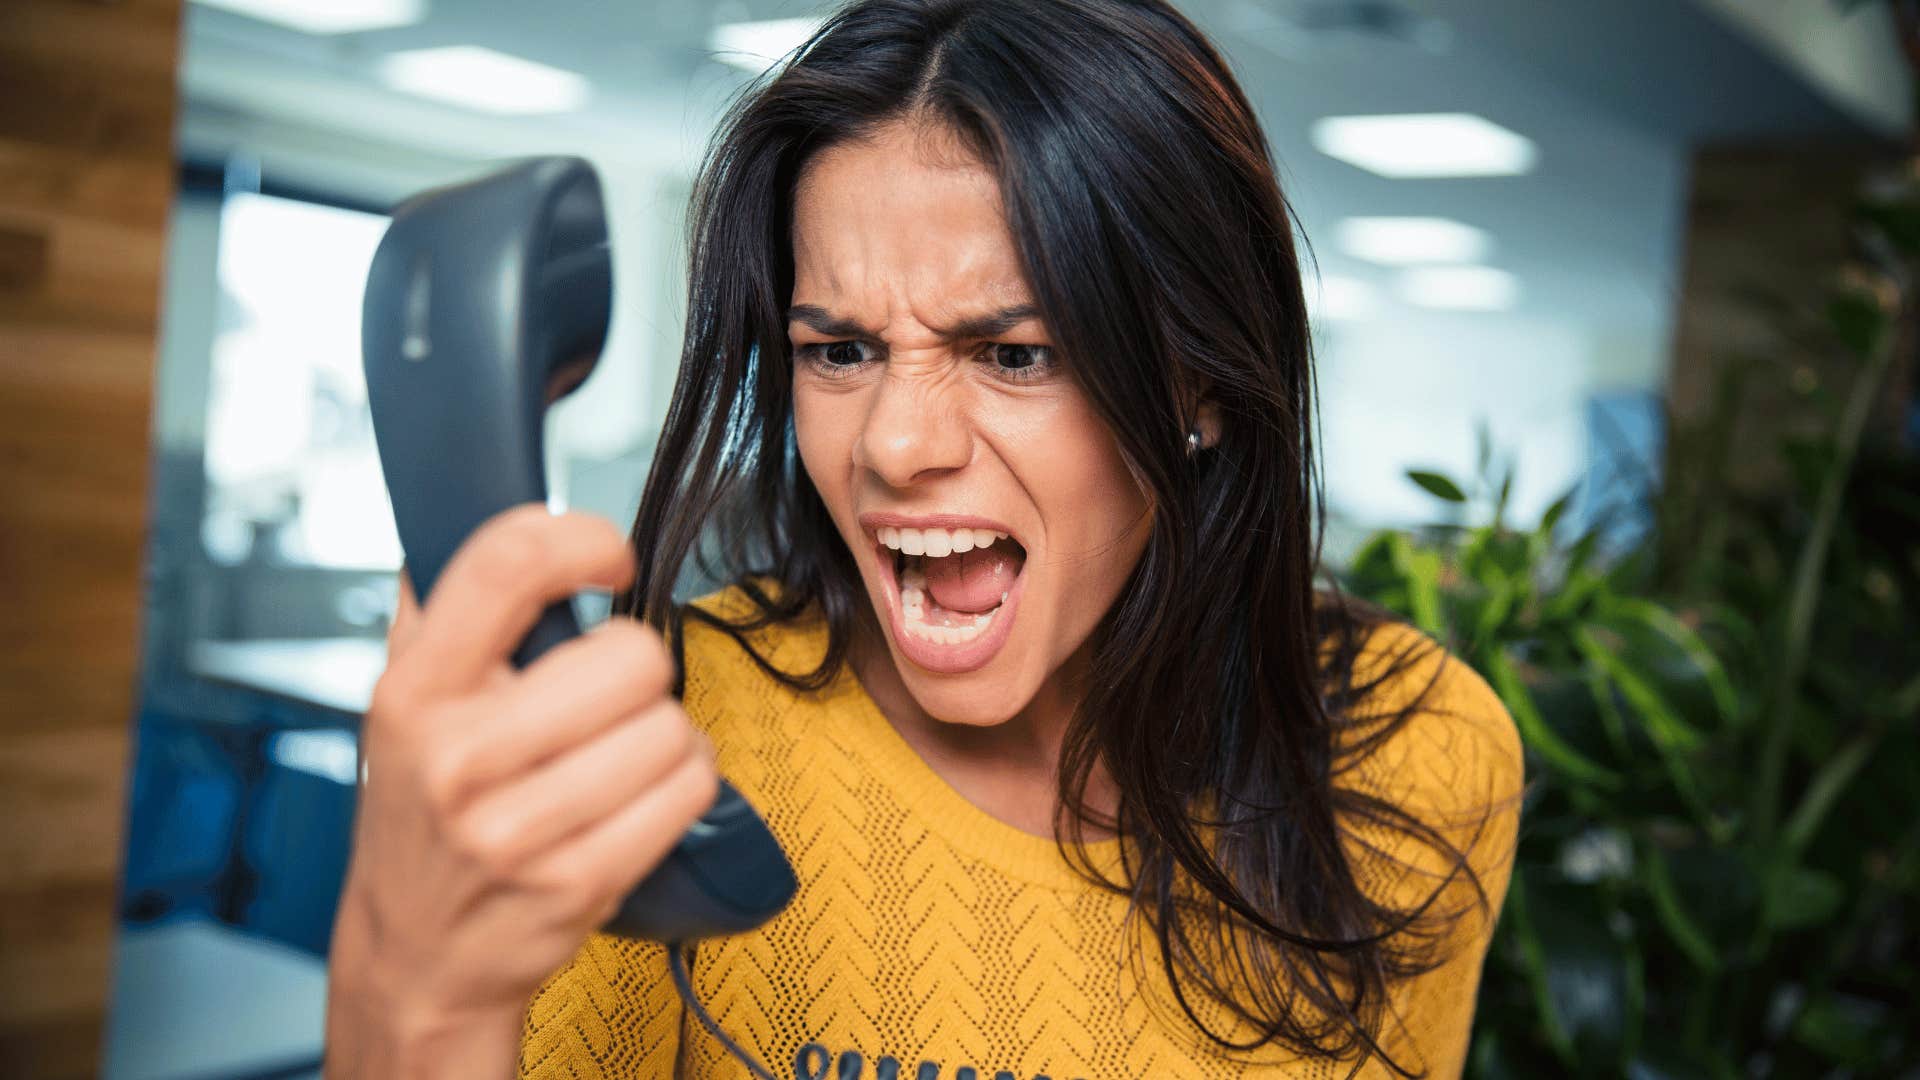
(487,301)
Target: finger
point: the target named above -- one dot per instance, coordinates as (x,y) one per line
(613,856)
(584,785)
(497,584)
(577,690)
(405,629)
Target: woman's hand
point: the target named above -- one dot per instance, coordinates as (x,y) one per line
(504,814)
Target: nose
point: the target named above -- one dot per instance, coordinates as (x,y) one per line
(914,432)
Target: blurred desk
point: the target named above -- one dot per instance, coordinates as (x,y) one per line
(194,1000)
(244,791)
(333,673)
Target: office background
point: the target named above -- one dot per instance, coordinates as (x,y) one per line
(1529,225)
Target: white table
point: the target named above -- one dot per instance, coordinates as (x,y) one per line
(338,673)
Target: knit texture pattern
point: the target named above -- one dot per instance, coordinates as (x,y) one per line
(931,941)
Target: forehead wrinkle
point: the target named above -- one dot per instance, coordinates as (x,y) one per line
(903,241)
(921,298)
(931,273)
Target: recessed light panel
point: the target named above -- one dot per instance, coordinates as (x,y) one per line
(1335,298)
(328,16)
(1410,241)
(754,46)
(480,78)
(1429,145)
(1460,288)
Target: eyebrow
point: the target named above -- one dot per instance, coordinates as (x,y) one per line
(989,325)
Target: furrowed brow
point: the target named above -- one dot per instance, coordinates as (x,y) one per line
(993,324)
(821,321)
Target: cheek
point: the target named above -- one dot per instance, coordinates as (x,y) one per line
(1103,496)
(825,427)
(1090,501)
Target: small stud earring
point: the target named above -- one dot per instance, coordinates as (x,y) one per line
(1193,442)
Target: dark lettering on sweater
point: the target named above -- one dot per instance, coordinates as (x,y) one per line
(816,1062)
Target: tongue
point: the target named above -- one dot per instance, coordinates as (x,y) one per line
(972,581)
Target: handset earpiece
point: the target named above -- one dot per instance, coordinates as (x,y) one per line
(486,302)
(479,295)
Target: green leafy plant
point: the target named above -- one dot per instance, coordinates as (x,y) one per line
(1608,690)
(1720,853)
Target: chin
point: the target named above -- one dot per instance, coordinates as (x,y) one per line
(975,700)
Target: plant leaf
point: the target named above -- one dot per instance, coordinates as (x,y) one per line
(1533,956)
(1858,321)
(1671,736)
(1843,1027)
(1672,911)
(1825,789)
(1437,485)
(1804,897)
(1372,557)
(1667,625)
(1556,511)
(1421,570)
(1533,727)
(1586,970)
(1493,614)
(1610,720)
(1662,722)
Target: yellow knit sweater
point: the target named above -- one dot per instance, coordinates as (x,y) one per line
(931,940)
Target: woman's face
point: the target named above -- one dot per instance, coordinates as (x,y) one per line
(987,505)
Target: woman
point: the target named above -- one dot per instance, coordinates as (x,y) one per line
(994,415)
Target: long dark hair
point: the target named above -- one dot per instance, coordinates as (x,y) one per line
(1142,198)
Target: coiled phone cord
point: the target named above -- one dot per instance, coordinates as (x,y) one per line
(677,964)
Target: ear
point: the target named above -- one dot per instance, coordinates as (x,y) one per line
(1197,402)
(1207,420)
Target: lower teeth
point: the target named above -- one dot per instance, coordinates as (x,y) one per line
(913,605)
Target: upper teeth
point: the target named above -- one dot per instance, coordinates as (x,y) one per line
(937,542)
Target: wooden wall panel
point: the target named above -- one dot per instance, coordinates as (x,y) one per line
(1767,240)
(86,127)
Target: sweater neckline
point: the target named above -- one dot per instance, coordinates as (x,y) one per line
(944,811)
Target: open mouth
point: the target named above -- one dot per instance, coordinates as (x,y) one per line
(956,589)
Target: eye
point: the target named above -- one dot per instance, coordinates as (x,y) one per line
(1019,362)
(832,359)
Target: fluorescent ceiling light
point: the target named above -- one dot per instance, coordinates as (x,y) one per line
(1460,288)
(755,46)
(479,78)
(1340,299)
(1429,145)
(328,16)
(1405,241)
